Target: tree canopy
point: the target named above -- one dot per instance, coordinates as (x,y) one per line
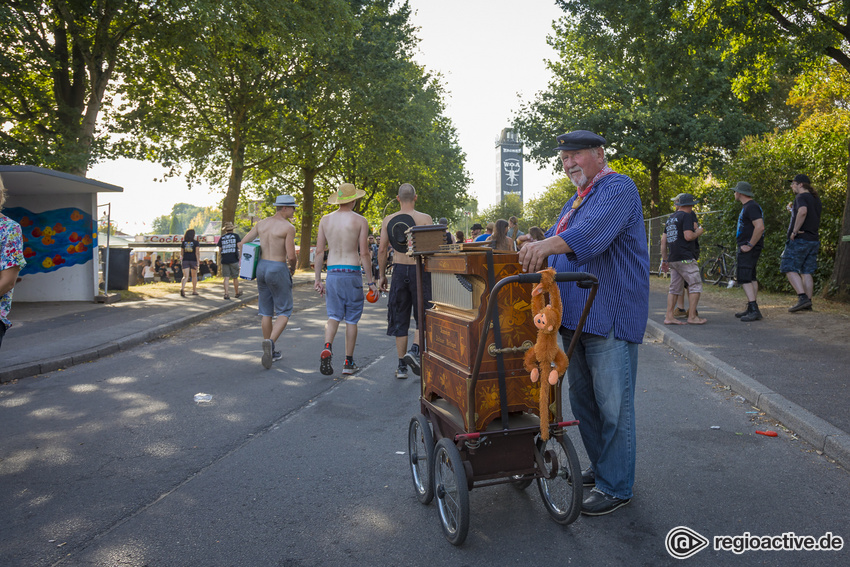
(57,61)
(650,88)
(264,101)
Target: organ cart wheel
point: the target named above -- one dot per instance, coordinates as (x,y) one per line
(452,491)
(420,445)
(561,496)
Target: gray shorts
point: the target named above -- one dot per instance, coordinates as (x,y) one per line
(230,270)
(275,286)
(344,296)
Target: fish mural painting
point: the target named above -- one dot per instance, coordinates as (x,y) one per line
(54,239)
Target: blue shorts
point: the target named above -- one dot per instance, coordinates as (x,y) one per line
(344,301)
(800,256)
(403,298)
(274,283)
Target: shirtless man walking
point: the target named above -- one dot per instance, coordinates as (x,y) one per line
(274,273)
(403,289)
(345,234)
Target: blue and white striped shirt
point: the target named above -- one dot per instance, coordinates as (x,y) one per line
(608,239)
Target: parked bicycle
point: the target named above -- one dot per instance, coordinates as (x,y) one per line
(723,268)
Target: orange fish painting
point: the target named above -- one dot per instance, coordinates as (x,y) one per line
(55,239)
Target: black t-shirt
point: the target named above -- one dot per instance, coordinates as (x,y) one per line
(190,250)
(678,248)
(811,224)
(227,244)
(749,213)
(694,225)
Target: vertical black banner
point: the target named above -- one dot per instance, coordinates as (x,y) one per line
(511,169)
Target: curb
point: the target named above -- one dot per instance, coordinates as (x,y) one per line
(59,362)
(52,364)
(818,432)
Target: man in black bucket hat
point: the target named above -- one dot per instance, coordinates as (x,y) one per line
(750,239)
(403,289)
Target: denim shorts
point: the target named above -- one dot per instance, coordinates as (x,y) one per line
(274,283)
(800,256)
(344,300)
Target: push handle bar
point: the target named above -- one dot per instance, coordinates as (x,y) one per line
(583,279)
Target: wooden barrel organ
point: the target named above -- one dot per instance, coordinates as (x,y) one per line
(461,282)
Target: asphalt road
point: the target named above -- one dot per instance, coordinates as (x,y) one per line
(114,463)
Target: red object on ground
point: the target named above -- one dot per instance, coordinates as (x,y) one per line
(768,433)
(372,296)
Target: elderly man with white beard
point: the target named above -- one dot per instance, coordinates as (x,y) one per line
(600,231)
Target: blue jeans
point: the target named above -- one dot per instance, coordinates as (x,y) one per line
(602,375)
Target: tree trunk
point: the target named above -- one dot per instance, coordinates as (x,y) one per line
(655,228)
(839,287)
(234,185)
(308,200)
(99,80)
(654,190)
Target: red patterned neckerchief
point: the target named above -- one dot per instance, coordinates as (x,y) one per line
(580,196)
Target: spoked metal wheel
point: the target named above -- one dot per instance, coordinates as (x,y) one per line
(712,273)
(420,446)
(561,496)
(452,491)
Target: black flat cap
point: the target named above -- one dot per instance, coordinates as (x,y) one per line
(579,140)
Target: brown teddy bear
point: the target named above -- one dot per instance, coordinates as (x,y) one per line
(546,353)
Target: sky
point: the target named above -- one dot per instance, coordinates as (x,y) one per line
(490,54)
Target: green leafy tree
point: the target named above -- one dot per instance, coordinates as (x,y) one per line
(817,147)
(544,210)
(161,224)
(657,97)
(764,37)
(382,126)
(56,64)
(206,87)
(510,206)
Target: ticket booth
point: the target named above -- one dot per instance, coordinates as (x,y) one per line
(58,214)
